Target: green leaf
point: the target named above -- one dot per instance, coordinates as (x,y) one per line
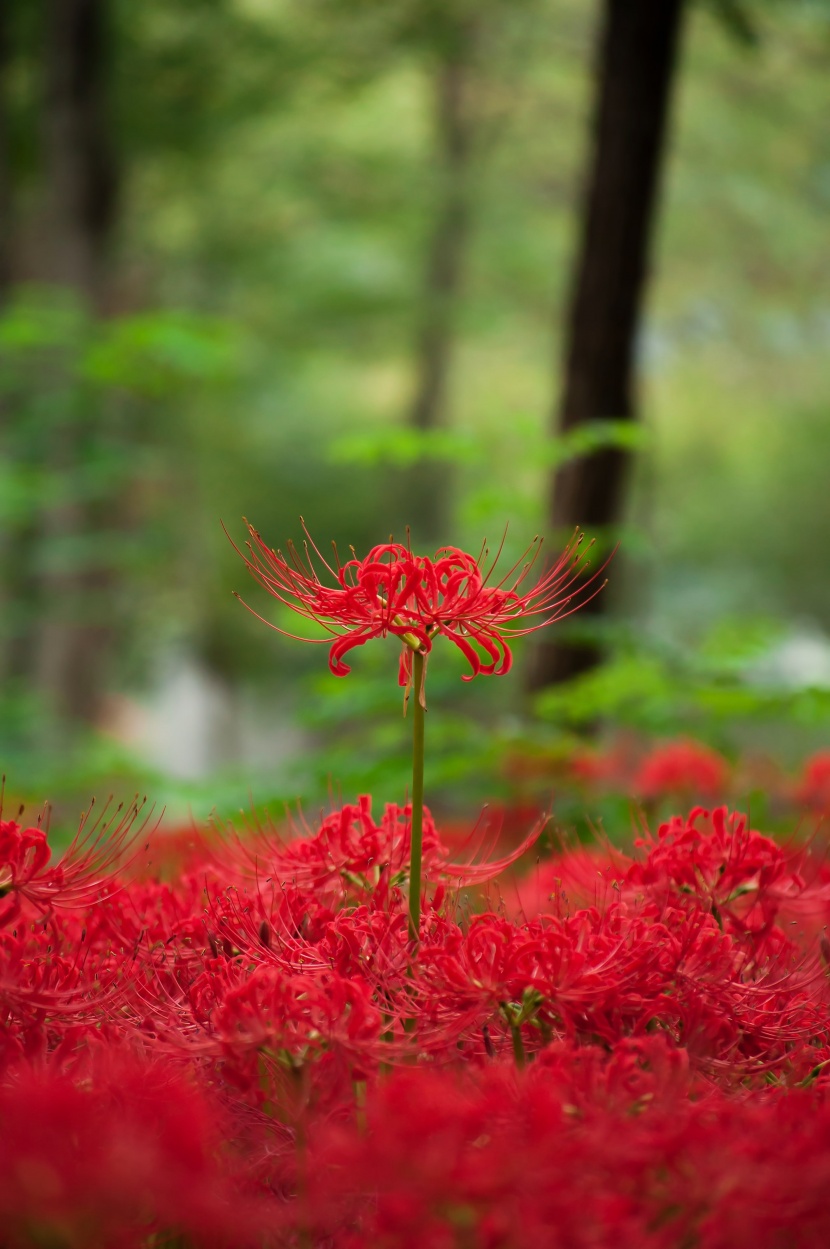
(402,447)
(156,353)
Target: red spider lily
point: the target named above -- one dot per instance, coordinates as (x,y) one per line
(743,877)
(85,873)
(352,854)
(416,598)
(346,856)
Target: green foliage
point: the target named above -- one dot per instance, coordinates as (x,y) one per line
(737,19)
(61,368)
(87,499)
(402,446)
(720,691)
(188,72)
(160,354)
(711,691)
(280,175)
(361,740)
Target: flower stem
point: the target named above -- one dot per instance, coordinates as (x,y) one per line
(519,1055)
(417,822)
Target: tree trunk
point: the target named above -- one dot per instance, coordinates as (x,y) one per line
(427,490)
(637,60)
(74,636)
(8,628)
(80,165)
(5,159)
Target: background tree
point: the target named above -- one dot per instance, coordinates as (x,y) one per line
(469,57)
(90,90)
(452,35)
(5,159)
(636,64)
(80,184)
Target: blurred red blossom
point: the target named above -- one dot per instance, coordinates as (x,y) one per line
(813,785)
(129,1152)
(584,1150)
(683,767)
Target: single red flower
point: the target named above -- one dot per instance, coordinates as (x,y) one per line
(813,787)
(417,598)
(85,872)
(684,767)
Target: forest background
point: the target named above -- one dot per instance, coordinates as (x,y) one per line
(320,263)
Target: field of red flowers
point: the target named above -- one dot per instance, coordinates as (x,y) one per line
(212,1040)
(350,1036)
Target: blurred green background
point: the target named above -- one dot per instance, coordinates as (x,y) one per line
(241,337)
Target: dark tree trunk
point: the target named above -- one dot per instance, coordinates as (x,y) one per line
(80,163)
(5,159)
(19,535)
(74,636)
(637,60)
(8,630)
(427,490)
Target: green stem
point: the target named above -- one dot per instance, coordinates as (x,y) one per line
(417,836)
(300,1082)
(518,1045)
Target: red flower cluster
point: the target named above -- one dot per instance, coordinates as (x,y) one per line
(415,598)
(245,1046)
(621,1150)
(677,771)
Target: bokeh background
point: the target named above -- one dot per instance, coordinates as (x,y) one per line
(320,258)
